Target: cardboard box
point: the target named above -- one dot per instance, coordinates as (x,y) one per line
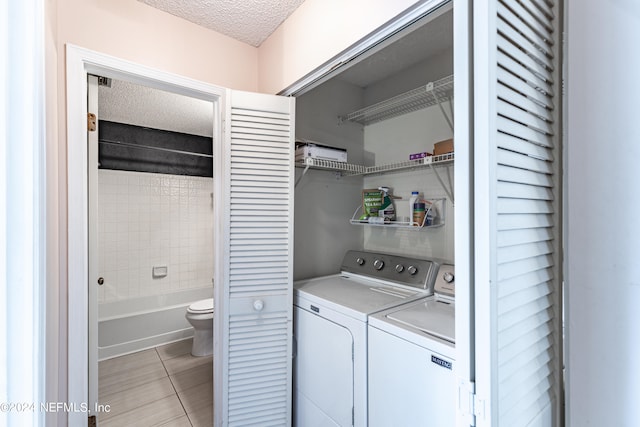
(443,147)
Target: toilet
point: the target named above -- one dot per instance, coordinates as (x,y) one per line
(200,315)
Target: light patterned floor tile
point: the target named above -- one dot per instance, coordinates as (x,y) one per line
(121,402)
(141,393)
(128,378)
(181,422)
(192,377)
(154,414)
(184,362)
(175,349)
(197,397)
(202,417)
(127,362)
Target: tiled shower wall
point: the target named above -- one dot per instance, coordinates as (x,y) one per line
(148,220)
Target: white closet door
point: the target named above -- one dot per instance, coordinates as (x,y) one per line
(256,294)
(517,213)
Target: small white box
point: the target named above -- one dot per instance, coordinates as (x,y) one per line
(318,151)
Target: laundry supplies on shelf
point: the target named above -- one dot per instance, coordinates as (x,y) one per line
(388,209)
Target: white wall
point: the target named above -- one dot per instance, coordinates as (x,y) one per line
(130,30)
(324,202)
(392,141)
(147,220)
(601,219)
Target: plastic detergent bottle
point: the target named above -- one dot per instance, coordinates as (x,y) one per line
(419,213)
(412,200)
(387,210)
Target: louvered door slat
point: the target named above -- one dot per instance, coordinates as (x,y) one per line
(512,333)
(514,253)
(535,51)
(522,282)
(530,120)
(531,78)
(516,160)
(511,127)
(516,268)
(512,190)
(516,221)
(523,176)
(259,260)
(532,101)
(505,46)
(518,206)
(512,237)
(542,29)
(521,146)
(531,29)
(542,9)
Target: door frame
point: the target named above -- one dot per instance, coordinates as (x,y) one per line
(81,62)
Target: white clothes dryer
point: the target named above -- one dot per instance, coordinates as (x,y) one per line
(330,332)
(411,360)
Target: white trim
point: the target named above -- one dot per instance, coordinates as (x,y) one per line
(80,62)
(463,181)
(92,288)
(23,351)
(386,34)
(484,76)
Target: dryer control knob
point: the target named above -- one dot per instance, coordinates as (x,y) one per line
(399,268)
(360,261)
(378,264)
(448,277)
(412,270)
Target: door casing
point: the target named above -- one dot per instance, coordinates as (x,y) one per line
(80,63)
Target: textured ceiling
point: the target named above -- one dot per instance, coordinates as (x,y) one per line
(133,104)
(250,21)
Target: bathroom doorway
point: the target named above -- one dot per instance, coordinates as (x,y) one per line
(151,220)
(127,197)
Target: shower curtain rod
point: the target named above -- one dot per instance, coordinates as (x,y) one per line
(148,147)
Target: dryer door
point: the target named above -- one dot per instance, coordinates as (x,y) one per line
(323,372)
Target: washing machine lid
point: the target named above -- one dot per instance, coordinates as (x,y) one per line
(202,306)
(434,316)
(353,295)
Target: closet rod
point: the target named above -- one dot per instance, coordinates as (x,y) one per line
(147,147)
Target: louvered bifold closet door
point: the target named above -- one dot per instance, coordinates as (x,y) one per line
(259,260)
(518,203)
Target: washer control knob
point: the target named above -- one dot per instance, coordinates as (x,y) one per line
(399,268)
(448,277)
(412,270)
(378,264)
(360,261)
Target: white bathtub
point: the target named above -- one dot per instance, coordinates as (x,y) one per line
(139,323)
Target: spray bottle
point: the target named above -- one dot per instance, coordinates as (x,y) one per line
(387,210)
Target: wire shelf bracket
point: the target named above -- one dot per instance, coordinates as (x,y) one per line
(422,97)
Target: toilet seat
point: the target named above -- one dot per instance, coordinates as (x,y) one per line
(202,306)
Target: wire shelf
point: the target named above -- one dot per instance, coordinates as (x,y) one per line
(422,97)
(347,169)
(436,204)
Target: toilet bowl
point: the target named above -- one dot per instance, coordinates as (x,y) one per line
(200,316)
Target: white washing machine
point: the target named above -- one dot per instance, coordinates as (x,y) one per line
(411,360)
(330,332)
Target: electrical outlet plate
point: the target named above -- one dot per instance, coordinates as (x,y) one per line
(160,271)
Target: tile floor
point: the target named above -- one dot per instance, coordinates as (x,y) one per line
(163,386)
